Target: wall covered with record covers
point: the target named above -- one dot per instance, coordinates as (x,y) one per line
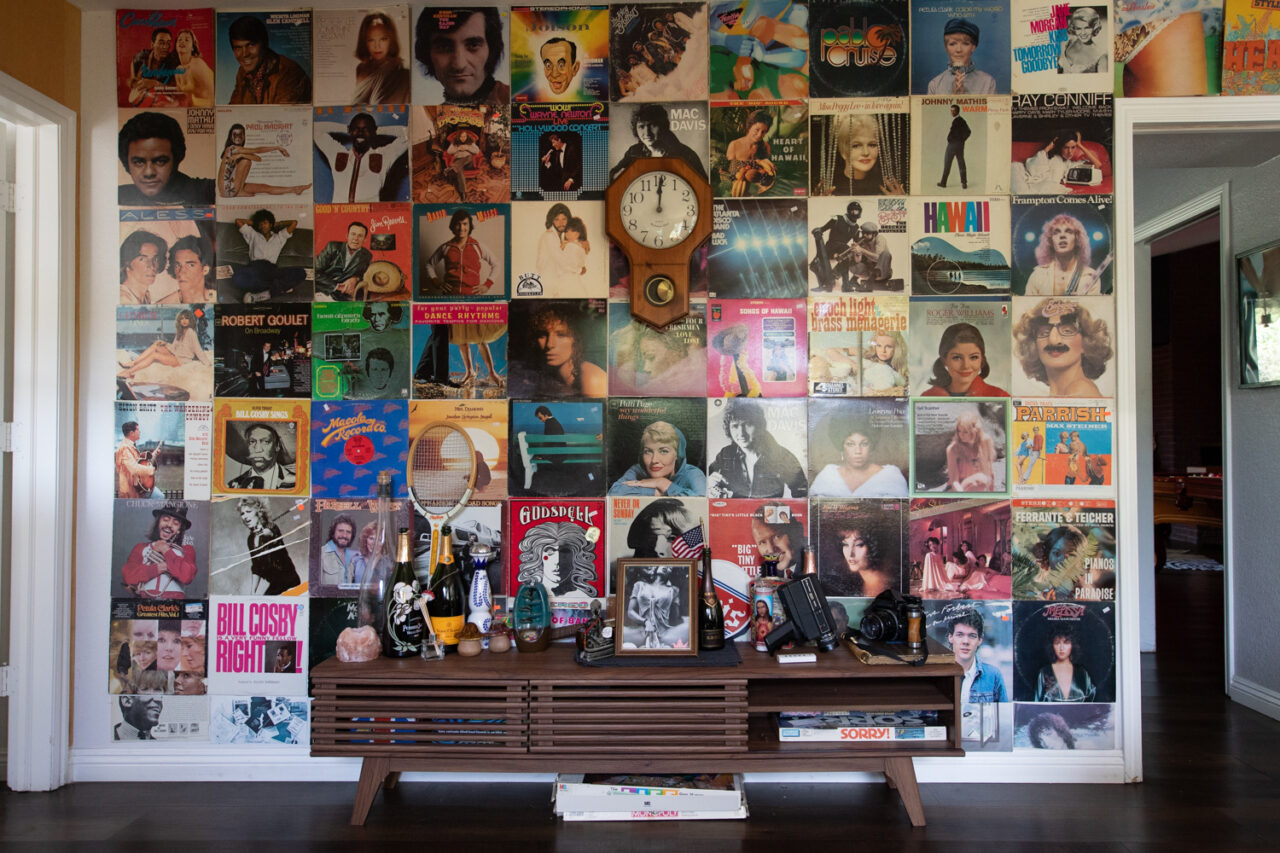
(335,227)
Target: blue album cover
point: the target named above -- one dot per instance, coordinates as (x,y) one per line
(352,440)
(264,57)
(559,152)
(960,48)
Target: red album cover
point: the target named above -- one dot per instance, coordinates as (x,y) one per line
(382,266)
(164,58)
(558,544)
(757,348)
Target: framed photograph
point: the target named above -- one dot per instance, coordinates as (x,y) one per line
(654,607)
(1258,273)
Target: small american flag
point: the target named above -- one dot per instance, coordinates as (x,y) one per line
(688,545)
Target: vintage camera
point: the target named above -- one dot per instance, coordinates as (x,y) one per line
(808,616)
(895,618)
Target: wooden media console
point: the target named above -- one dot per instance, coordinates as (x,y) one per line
(543,713)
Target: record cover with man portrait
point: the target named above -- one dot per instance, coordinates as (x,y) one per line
(264,57)
(361,154)
(460,55)
(360,351)
(559,53)
(461,251)
(165,452)
(258,449)
(265,253)
(380,266)
(167,157)
(160,549)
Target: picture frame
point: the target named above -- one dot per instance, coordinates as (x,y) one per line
(1258,304)
(643,584)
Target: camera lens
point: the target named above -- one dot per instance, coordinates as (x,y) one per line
(880,625)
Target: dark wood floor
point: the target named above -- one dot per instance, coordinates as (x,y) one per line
(1212,783)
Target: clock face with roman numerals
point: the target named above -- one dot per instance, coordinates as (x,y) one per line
(659,209)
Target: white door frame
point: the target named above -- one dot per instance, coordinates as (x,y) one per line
(1133,377)
(43,484)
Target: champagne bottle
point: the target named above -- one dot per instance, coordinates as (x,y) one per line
(710,611)
(381,564)
(405,626)
(448,607)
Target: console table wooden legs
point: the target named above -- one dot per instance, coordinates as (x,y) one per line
(376,775)
(900,774)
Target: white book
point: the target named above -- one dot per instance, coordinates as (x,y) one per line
(658,814)
(854,734)
(647,793)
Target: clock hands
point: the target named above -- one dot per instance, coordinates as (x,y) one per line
(661,180)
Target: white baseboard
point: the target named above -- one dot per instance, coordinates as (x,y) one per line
(1264,700)
(194,763)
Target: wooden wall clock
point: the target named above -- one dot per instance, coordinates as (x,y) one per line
(659,212)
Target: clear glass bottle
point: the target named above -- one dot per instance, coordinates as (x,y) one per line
(381,563)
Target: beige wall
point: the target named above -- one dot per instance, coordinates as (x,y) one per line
(40,46)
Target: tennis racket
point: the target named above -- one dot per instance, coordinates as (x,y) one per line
(442,475)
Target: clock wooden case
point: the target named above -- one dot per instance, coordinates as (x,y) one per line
(659,212)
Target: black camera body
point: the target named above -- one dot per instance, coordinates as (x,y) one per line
(894,618)
(808,616)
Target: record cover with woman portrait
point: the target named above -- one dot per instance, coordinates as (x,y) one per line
(858,345)
(644,361)
(860,48)
(1061,47)
(859,146)
(1062,144)
(573,433)
(259,545)
(1064,550)
(960,48)
(362,56)
(757,448)
(655,528)
(166,256)
(559,250)
(658,51)
(860,545)
(1087,725)
(960,548)
(361,154)
(164,58)
(1064,651)
(960,446)
(164,352)
(759,51)
(461,251)
(959,348)
(559,53)
(760,149)
(460,55)
(461,152)
(1063,346)
(264,156)
(559,544)
(656,446)
(342,542)
(858,448)
(1063,246)
(757,348)
(264,57)
(557,349)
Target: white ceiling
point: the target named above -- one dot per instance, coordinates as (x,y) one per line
(1207,149)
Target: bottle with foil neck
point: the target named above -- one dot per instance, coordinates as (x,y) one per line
(406,626)
(710,611)
(448,606)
